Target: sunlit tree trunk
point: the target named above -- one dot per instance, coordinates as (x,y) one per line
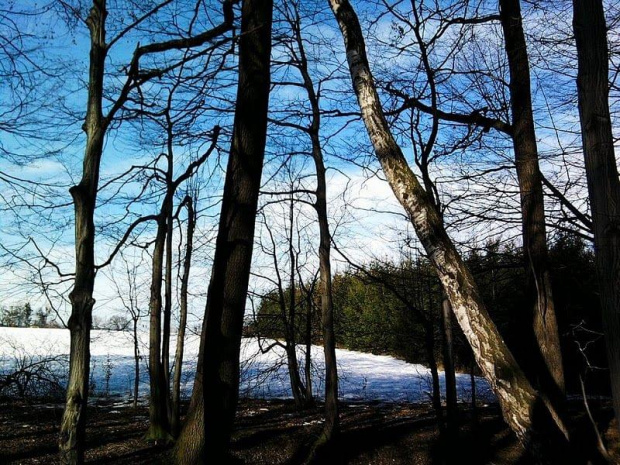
(521,404)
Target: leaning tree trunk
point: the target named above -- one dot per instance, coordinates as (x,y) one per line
(175,424)
(72,429)
(221,337)
(548,372)
(521,404)
(601,170)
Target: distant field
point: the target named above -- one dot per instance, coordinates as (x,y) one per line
(363,377)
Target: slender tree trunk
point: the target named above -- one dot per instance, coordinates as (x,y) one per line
(159,427)
(178,356)
(308,355)
(72,429)
(549,373)
(601,170)
(429,346)
(297,386)
(520,402)
(331,426)
(165,346)
(472,380)
(136,357)
(221,338)
(332,423)
(448,366)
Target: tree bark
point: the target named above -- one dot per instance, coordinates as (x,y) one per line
(167,323)
(448,366)
(331,426)
(547,371)
(218,385)
(175,423)
(159,426)
(521,404)
(601,170)
(72,429)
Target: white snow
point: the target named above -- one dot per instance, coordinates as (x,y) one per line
(363,377)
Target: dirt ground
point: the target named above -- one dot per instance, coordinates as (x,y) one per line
(271,432)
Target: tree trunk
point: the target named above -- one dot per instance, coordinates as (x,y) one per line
(308,355)
(175,425)
(136,357)
(165,346)
(221,338)
(429,346)
(472,380)
(332,423)
(547,371)
(520,402)
(159,427)
(448,366)
(297,387)
(601,170)
(72,429)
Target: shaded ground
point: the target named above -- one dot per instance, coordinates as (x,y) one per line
(271,432)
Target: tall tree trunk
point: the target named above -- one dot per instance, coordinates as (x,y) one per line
(549,372)
(601,170)
(167,323)
(332,423)
(72,429)
(221,338)
(520,402)
(175,424)
(448,366)
(159,427)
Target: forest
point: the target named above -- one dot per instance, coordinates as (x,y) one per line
(227,225)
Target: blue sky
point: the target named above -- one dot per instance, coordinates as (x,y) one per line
(53,151)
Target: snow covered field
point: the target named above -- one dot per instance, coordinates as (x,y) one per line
(363,377)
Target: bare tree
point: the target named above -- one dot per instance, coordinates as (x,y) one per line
(518,399)
(601,169)
(85,198)
(206,434)
(175,420)
(543,319)
(129,297)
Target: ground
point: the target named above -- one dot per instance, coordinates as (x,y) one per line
(272,432)
(268,432)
